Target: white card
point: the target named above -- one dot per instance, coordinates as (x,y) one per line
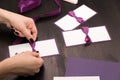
(77,37)
(68,23)
(72,1)
(45,47)
(77,78)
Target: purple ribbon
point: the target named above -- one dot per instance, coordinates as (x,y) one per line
(87,38)
(84,29)
(52,13)
(19,40)
(26,5)
(32,44)
(72,14)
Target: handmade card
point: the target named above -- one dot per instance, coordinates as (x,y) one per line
(45,47)
(107,70)
(68,23)
(77,78)
(77,37)
(72,1)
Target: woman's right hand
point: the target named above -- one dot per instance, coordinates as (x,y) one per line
(26,63)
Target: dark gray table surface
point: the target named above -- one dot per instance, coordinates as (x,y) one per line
(108,14)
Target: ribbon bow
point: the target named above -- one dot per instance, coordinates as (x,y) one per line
(84,29)
(87,38)
(72,14)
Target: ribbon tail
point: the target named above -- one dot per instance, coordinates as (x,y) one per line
(87,40)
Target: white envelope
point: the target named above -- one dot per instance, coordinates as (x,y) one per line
(68,23)
(45,47)
(77,78)
(77,37)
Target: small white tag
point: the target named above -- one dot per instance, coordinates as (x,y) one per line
(72,1)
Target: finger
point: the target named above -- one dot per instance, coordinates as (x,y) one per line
(8,25)
(38,70)
(27,74)
(35,54)
(33,30)
(41,62)
(27,34)
(31,74)
(18,33)
(24,75)
(34,33)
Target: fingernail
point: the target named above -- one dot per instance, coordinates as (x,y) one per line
(11,26)
(31,40)
(37,38)
(31,32)
(16,53)
(16,33)
(37,51)
(12,30)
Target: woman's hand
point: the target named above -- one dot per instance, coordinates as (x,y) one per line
(26,63)
(22,26)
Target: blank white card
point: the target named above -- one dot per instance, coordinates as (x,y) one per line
(72,1)
(68,23)
(77,78)
(45,47)
(77,37)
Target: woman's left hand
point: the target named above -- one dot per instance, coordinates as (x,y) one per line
(21,25)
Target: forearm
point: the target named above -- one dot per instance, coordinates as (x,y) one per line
(5,68)
(2,15)
(5,17)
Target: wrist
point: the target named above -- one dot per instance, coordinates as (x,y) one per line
(6,67)
(4,17)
